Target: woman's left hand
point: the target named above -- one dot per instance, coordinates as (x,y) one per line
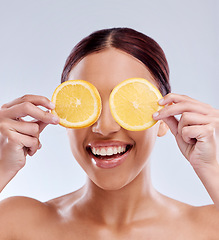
(197,130)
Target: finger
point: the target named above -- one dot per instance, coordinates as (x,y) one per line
(189,134)
(30,129)
(29,109)
(188,119)
(34,99)
(176,98)
(202,133)
(172,123)
(42,125)
(179,108)
(30,144)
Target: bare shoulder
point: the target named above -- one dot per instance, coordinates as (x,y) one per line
(203,220)
(19,216)
(200,214)
(19,213)
(208,214)
(193,222)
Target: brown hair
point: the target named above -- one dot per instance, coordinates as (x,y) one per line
(130,41)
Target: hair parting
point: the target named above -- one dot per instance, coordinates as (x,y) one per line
(130,41)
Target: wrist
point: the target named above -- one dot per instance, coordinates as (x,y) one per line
(208,170)
(209,176)
(5,177)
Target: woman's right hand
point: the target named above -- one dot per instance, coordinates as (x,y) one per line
(19,137)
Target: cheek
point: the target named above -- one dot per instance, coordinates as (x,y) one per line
(76,139)
(145,141)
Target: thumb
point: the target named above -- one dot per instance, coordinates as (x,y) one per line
(42,125)
(172,123)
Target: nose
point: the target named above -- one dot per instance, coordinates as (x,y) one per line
(106,124)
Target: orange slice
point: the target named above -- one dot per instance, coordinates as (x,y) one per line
(77,103)
(132,103)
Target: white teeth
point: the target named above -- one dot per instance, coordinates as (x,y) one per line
(116,150)
(119,149)
(107,151)
(103,152)
(98,151)
(93,150)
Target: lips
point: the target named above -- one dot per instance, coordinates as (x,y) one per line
(108,155)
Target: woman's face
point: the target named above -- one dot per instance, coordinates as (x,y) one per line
(105,70)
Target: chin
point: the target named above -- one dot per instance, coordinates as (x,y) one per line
(113,179)
(110,186)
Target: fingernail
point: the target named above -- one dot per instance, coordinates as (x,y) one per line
(40,145)
(161,101)
(55,119)
(52,105)
(155,115)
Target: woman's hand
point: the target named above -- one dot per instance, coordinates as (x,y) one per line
(196,132)
(19,137)
(197,135)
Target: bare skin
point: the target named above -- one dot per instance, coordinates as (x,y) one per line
(120,202)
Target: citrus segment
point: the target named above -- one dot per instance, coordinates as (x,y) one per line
(77,103)
(132,103)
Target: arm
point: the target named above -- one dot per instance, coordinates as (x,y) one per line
(197,135)
(19,138)
(210,179)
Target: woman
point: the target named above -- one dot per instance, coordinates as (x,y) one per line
(118,202)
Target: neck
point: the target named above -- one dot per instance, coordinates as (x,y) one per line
(132,202)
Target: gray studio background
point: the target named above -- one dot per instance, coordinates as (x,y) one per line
(37,36)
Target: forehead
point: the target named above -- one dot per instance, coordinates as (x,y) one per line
(108,68)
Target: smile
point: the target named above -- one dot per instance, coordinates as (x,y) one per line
(109,156)
(108,151)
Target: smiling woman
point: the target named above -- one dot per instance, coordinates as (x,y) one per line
(101,68)
(118,200)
